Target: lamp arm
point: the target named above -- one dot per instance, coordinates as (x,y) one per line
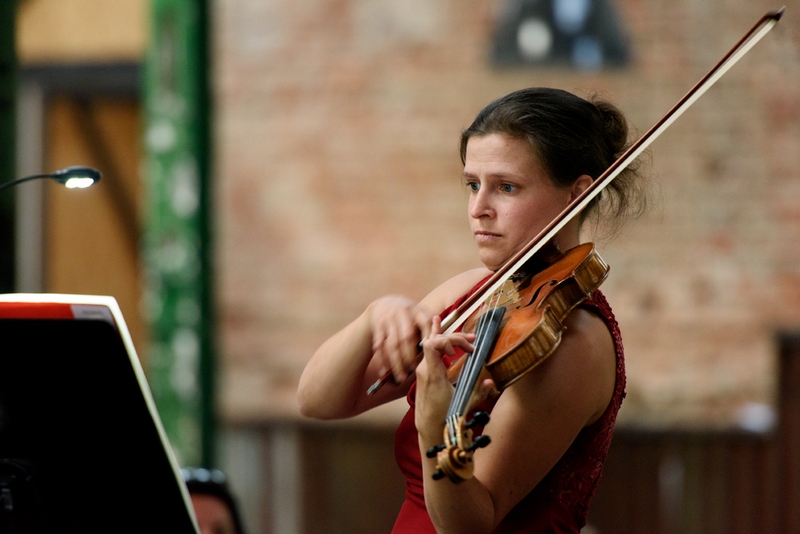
(20,180)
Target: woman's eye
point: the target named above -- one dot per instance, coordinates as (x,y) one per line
(507,188)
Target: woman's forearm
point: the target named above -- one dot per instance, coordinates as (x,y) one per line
(332,382)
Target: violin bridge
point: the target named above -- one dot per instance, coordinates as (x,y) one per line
(507,293)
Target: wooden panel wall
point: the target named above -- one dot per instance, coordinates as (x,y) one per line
(91,236)
(688,482)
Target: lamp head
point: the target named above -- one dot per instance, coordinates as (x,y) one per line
(76,177)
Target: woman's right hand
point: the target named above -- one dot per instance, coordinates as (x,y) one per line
(398,324)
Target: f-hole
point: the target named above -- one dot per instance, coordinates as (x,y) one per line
(535,296)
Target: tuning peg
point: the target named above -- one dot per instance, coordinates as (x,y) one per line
(433,451)
(438,474)
(480,418)
(479,443)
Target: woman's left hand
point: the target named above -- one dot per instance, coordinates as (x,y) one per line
(434,390)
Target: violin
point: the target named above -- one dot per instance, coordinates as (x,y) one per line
(534,301)
(520,328)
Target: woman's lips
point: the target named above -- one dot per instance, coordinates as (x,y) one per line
(486,237)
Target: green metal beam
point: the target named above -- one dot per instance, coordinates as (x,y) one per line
(177,241)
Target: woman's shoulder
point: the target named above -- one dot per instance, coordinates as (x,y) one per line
(454,288)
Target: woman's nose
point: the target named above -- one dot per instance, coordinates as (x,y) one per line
(480,204)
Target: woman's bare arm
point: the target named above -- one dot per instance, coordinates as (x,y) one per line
(382,339)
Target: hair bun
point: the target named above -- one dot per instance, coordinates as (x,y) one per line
(616,129)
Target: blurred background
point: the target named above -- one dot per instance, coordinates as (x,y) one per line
(271,166)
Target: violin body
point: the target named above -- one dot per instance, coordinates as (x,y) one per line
(536,305)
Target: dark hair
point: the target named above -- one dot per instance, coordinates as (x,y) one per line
(570,137)
(214,483)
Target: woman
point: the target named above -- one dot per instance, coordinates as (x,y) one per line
(526,157)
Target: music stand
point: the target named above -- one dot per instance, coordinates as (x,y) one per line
(82,448)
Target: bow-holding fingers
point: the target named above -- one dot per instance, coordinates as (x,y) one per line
(398,323)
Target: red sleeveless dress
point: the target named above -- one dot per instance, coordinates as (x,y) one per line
(560,502)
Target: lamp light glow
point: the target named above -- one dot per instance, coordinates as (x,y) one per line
(79,183)
(76,177)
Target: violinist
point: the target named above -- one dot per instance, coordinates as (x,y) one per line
(526,156)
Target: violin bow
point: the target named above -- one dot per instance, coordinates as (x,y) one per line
(458,316)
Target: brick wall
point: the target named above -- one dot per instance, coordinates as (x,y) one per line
(337,180)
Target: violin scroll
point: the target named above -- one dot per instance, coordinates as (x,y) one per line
(454,457)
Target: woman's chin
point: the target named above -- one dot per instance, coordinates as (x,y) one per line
(492,261)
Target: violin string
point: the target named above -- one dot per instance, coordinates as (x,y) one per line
(472,367)
(475,366)
(456,405)
(465,388)
(470,371)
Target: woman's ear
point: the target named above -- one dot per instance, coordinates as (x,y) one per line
(580,185)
